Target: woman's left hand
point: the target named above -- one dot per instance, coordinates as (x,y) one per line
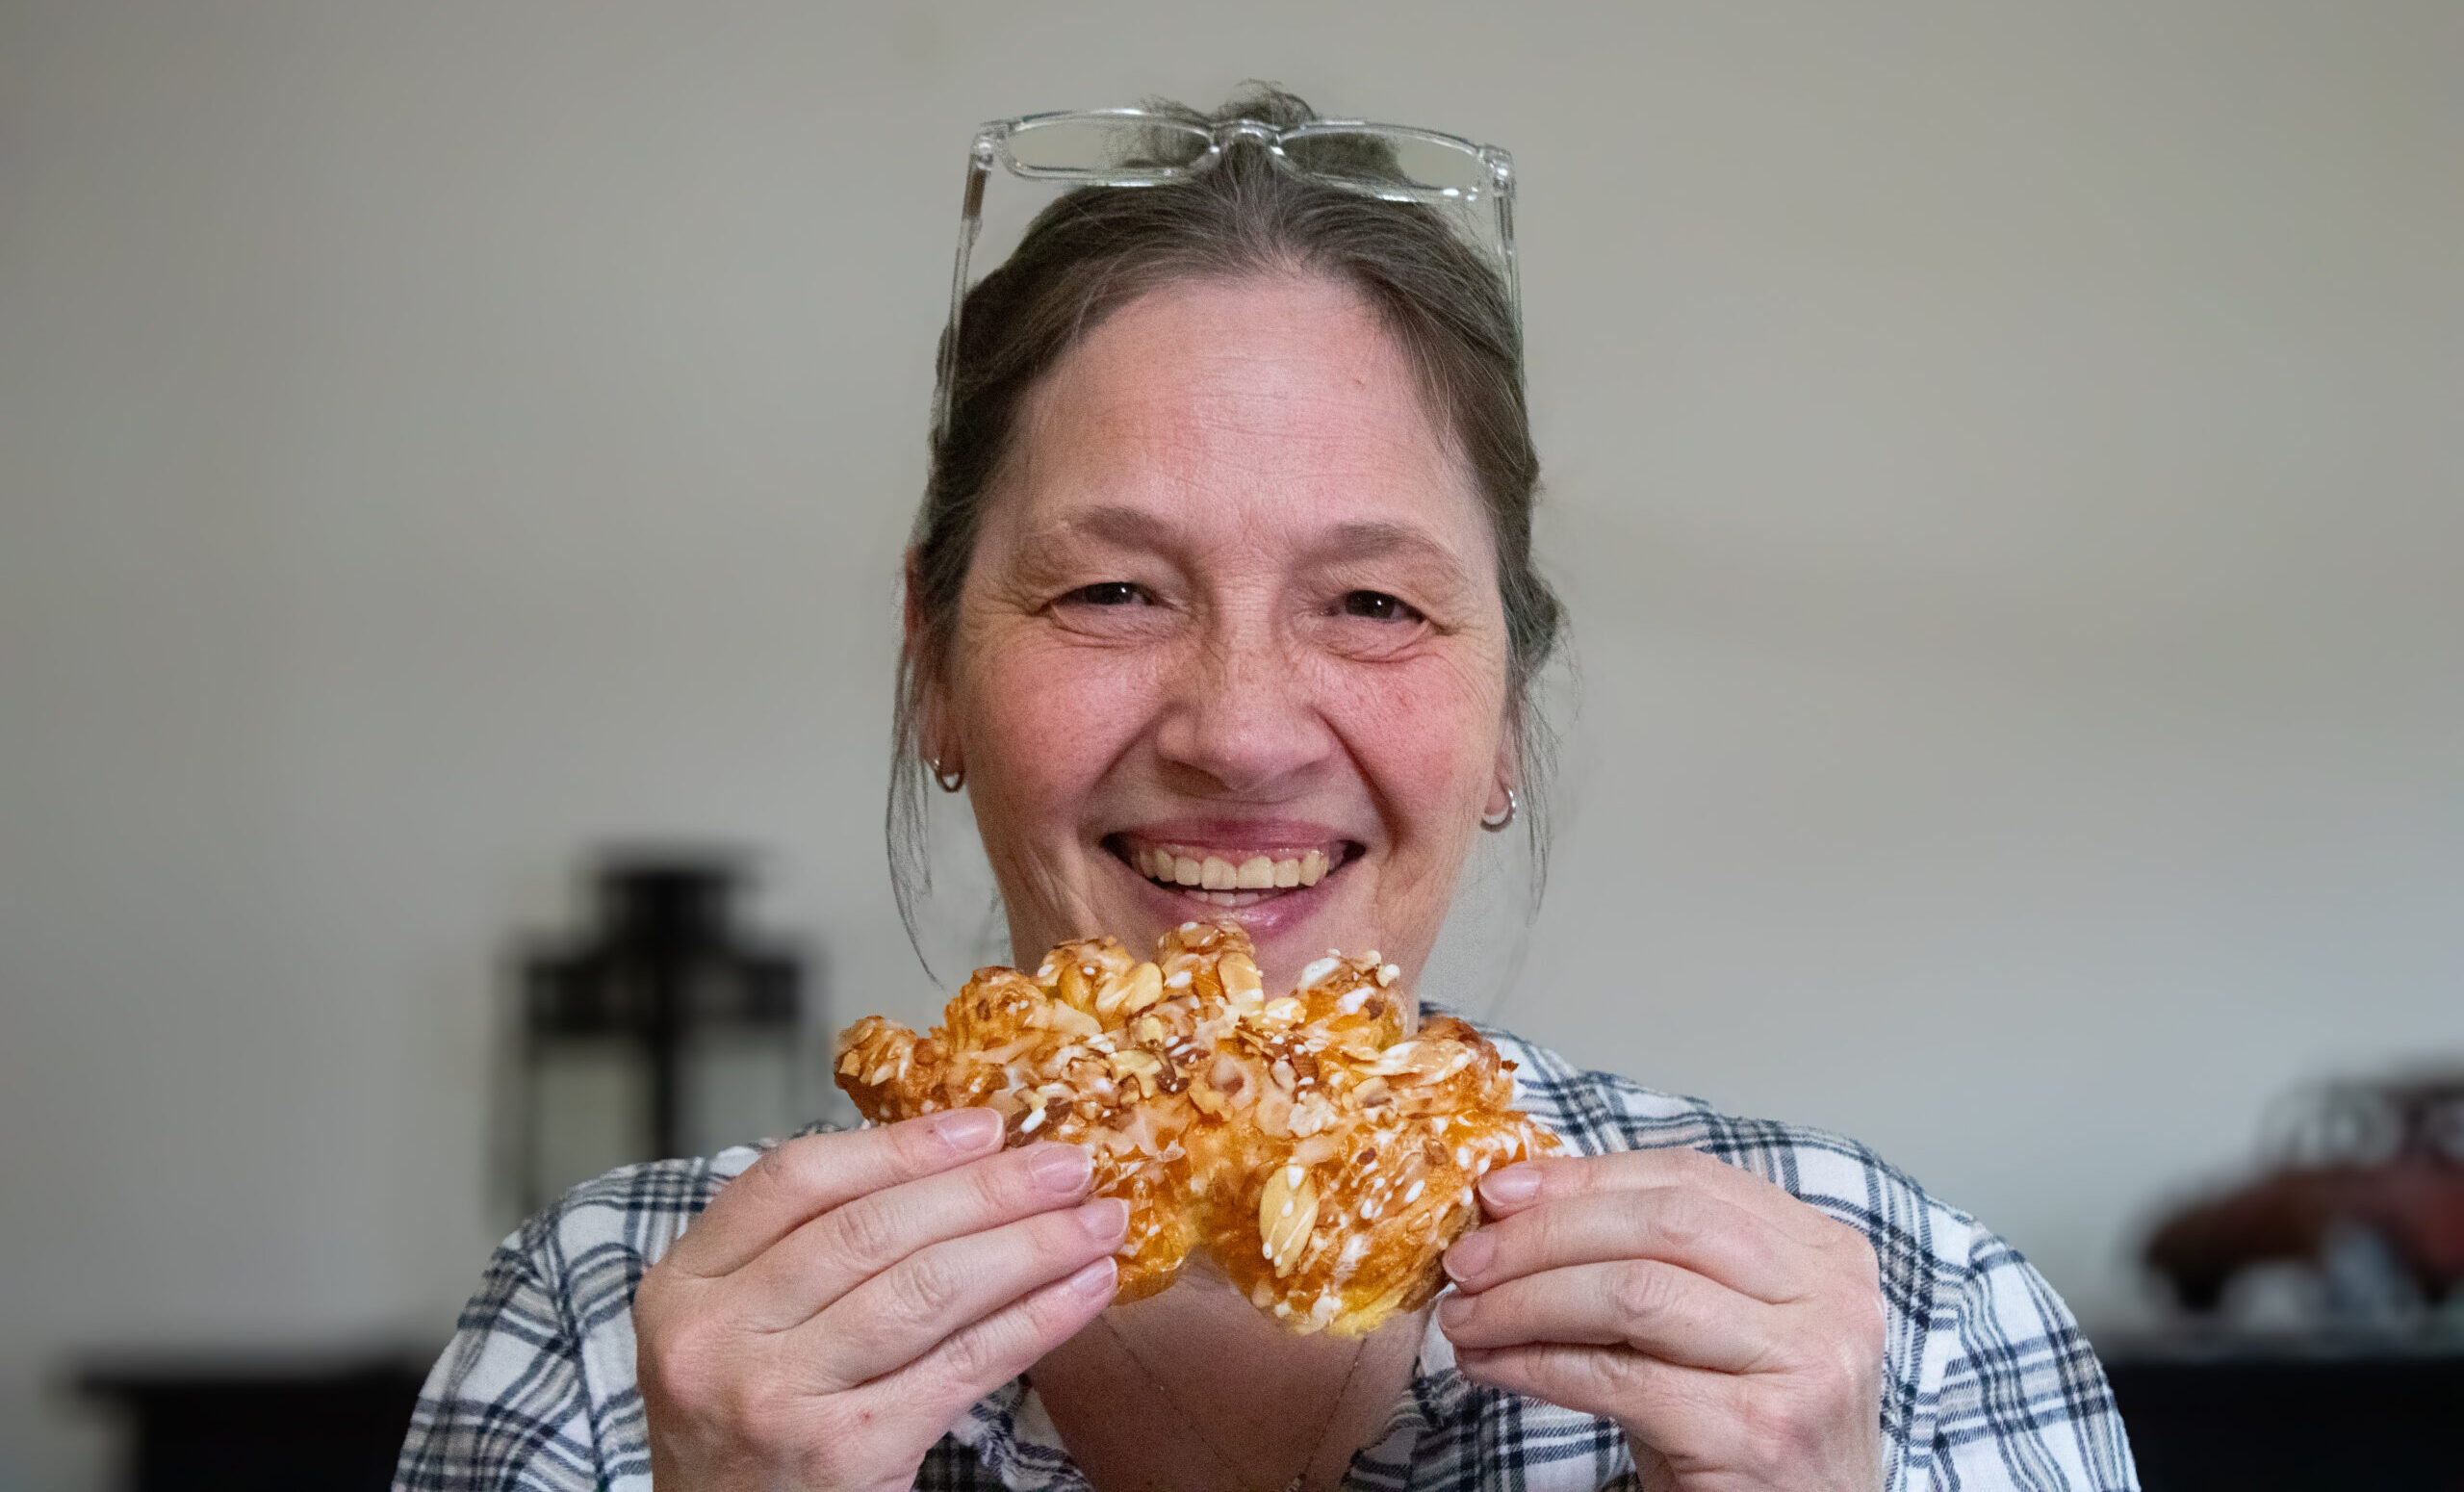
(1732,1330)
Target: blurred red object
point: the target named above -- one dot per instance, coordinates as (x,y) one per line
(2385,1159)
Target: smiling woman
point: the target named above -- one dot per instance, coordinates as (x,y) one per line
(1236,542)
(1342,394)
(1221,603)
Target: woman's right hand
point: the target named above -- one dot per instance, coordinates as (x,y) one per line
(839,1305)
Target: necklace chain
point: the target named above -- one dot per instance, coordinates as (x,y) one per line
(1172,1397)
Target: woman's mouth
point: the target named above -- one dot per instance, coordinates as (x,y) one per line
(1232,876)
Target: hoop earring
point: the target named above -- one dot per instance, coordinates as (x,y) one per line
(1497,825)
(951,782)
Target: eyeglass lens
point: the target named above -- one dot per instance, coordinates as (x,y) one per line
(1373,159)
(1102,148)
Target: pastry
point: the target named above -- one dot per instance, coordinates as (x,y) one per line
(1318,1149)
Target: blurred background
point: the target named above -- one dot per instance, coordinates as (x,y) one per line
(2005,465)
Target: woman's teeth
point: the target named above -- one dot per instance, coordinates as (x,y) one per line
(1213,873)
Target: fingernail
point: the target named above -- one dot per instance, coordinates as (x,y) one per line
(1470,1255)
(1105,1219)
(1514,1184)
(1095,1279)
(969,1130)
(1453,1311)
(1061,1167)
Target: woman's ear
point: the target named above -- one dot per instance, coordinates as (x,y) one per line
(928,679)
(1502,781)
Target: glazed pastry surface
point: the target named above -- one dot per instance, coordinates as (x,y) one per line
(1319,1150)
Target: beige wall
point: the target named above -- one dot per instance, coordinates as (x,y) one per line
(2004,466)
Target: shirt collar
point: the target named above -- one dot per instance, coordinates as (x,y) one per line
(1013,1438)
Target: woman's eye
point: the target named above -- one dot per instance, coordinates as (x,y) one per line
(1108,593)
(1378,607)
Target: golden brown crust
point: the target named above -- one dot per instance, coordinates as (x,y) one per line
(1323,1153)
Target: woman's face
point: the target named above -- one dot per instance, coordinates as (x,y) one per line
(1231,639)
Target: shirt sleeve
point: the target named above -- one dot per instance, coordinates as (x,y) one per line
(2023,1406)
(505,1407)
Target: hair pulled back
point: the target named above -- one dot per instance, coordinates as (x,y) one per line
(1098,248)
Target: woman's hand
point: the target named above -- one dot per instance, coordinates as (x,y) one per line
(1732,1330)
(845,1299)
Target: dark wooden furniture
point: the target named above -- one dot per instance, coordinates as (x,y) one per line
(2210,1416)
(269,1426)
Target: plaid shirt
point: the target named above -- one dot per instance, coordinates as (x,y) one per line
(1988,1383)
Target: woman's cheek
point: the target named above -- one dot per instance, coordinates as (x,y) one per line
(1047,715)
(1427,731)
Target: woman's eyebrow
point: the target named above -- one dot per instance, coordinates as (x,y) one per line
(1137,528)
(1129,528)
(1378,540)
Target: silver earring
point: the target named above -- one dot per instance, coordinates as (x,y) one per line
(951,782)
(1498,824)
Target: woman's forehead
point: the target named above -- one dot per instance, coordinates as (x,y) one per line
(1280,404)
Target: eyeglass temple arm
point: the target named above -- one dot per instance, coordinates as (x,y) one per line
(1502,195)
(978,165)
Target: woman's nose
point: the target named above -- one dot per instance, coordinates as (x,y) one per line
(1243,716)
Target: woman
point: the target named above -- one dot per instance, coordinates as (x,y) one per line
(1226,558)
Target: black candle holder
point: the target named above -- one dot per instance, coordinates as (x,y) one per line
(664,1029)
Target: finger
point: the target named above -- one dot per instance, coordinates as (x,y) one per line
(1551,1179)
(906,1311)
(1669,1408)
(1656,1308)
(832,1254)
(1681,1226)
(972,1362)
(799,1180)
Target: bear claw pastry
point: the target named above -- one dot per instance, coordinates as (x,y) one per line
(1318,1148)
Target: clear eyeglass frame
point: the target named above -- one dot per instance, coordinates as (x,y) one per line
(1472,184)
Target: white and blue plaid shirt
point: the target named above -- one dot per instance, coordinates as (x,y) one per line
(1987,1384)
